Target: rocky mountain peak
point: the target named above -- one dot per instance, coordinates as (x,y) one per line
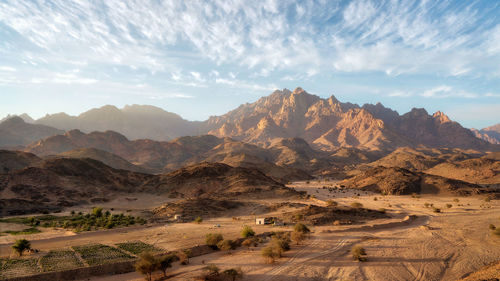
(441,117)
(14,120)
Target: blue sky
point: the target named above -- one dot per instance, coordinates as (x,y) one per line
(202,58)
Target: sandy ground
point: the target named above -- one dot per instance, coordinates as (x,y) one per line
(435,246)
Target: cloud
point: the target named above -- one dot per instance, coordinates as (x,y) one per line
(7,69)
(245,85)
(182,42)
(400,94)
(445,92)
(388,36)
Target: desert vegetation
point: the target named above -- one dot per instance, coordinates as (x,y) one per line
(280,243)
(57,260)
(21,245)
(358,253)
(94,220)
(96,254)
(138,247)
(213,239)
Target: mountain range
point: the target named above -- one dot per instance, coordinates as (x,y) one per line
(285,159)
(325,124)
(50,184)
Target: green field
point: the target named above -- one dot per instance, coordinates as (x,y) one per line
(96,254)
(18,267)
(137,247)
(58,260)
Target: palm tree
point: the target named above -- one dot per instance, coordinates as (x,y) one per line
(21,245)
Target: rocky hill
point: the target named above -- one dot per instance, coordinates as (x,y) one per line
(391,180)
(329,124)
(62,182)
(482,170)
(105,157)
(220,180)
(161,157)
(16,160)
(15,132)
(421,158)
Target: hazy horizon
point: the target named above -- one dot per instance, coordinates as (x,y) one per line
(35,117)
(199,59)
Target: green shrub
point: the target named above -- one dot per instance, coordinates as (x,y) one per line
(31,230)
(198,220)
(247,231)
(97,211)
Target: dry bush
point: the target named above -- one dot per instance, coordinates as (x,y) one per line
(358,253)
(331,203)
(300,227)
(249,242)
(356,205)
(298,237)
(270,254)
(226,245)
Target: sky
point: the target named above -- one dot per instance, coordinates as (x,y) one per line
(203,58)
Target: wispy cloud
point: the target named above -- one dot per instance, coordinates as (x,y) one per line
(187,47)
(388,36)
(7,69)
(447,91)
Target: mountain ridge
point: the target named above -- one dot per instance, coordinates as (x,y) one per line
(325,123)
